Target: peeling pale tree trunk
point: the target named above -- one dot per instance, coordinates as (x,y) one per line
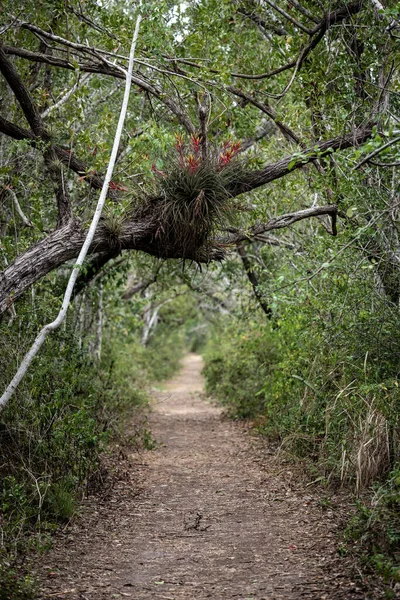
(150,319)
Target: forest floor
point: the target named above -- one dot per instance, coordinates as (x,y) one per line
(209,513)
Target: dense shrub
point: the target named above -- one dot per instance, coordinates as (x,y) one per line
(328,392)
(375,528)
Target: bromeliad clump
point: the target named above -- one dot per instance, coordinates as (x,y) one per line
(193,199)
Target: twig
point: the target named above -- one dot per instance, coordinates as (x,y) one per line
(37,125)
(304,11)
(66,96)
(285,221)
(18,208)
(289,17)
(267,110)
(252,277)
(377,151)
(383,164)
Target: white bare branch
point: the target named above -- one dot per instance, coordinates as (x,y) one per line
(18,208)
(66,96)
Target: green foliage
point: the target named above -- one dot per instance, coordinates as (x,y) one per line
(374,531)
(306,383)
(237,361)
(51,437)
(166,354)
(61,500)
(321,379)
(13,585)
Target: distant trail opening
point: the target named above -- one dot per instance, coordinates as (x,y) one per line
(213,519)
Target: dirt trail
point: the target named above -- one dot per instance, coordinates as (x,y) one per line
(213,519)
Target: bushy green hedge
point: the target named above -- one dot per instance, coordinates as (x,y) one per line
(323,392)
(51,435)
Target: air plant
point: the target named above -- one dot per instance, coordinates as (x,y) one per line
(114,216)
(193,199)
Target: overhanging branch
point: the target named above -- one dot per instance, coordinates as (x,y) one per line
(285,221)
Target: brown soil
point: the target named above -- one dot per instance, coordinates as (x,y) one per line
(208,514)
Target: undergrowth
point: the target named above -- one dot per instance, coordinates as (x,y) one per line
(374,531)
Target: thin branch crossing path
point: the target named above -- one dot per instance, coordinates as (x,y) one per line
(208,514)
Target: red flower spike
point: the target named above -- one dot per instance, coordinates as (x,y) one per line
(225,158)
(179,148)
(179,142)
(235,147)
(196,142)
(192,163)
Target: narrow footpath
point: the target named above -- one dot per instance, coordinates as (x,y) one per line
(207,514)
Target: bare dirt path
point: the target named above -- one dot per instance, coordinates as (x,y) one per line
(213,518)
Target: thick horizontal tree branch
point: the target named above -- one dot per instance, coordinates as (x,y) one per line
(65,243)
(283,221)
(254,179)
